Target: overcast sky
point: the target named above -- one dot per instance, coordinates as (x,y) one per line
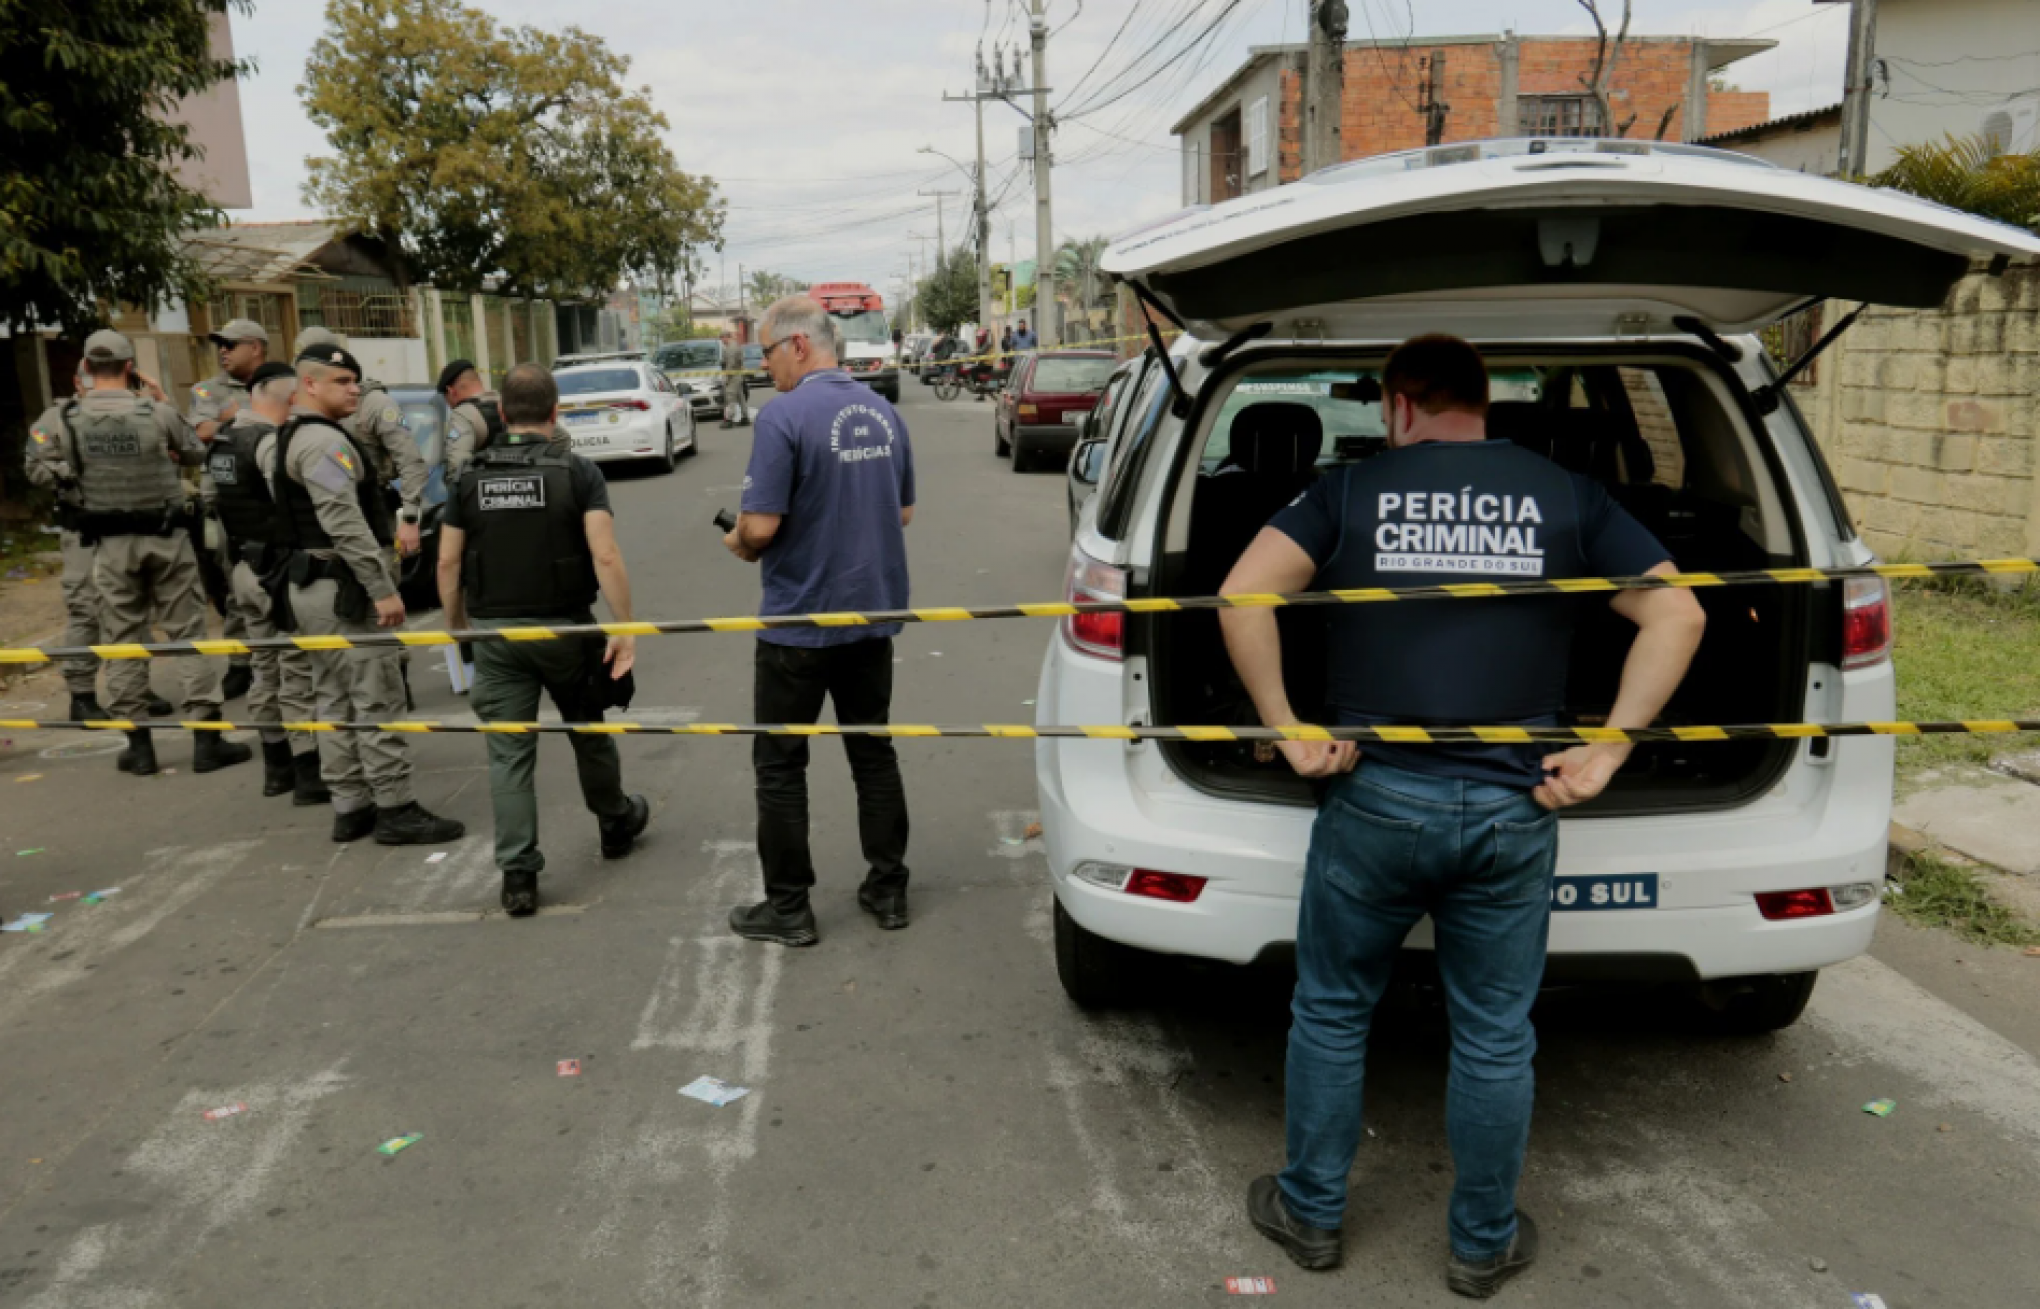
(808,113)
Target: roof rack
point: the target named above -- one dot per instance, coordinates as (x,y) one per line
(569,361)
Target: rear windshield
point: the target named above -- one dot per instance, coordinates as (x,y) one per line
(422,417)
(599,379)
(1061,376)
(690,354)
(867,326)
(1343,398)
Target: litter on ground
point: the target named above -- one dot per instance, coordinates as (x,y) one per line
(570,1068)
(1033,830)
(1250,1286)
(1866,1300)
(1882,1108)
(435,858)
(97,896)
(19,854)
(67,895)
(226,1111)
(714,1090)
(398,1144)
(29,777)
(27,923)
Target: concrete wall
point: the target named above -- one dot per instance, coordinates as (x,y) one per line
(1807,148)
(393,360)
(1951,62)
(1927,418)
(221,174)
(1265,80)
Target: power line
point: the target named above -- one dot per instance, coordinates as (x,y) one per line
(1230,7)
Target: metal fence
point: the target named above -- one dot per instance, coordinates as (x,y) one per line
(368,309)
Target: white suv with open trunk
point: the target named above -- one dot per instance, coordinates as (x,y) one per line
(1614,288)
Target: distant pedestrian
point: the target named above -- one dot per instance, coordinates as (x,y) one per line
(115,452)
(827,496)
(1024,339)
(1005,342)
(333,515)
(477,416)
(529,540)
(736,408)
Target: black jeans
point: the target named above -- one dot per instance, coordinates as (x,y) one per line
(792,683)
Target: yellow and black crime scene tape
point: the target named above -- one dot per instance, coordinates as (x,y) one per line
(924,362)
(1387,735)
(1046,609)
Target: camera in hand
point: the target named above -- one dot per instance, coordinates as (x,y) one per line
(725,520)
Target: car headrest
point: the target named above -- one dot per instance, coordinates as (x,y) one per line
(1275,437)
(1578,440)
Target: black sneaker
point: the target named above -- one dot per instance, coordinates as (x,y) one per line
(237,681)
(1479,1279)
(1309,1247)
(619,836)
(414,824)
(889,910)
(520,892)
(764,922)
(354,824)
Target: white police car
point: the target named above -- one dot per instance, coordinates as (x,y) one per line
(624,409)
(1613,287)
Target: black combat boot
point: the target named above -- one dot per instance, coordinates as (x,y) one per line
(308,787)
(87,709)
(520,892)
(278,776)
(237,681)
(161,708)
(414,824)
(354,824)
(140,756)
(620,834)
(212,751)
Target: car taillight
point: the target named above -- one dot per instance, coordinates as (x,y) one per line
(629,404)
(1814,902)
(1102,635)
(1866,621)
(1176,888)
(1028,411)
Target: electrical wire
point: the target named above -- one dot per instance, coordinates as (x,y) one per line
(1231,6)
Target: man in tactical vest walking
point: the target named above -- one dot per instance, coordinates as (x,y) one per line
(239,463)
(477,416)
(119,453)
(528,540)
(736,403)
(243,346)
(377,427)
(330,510)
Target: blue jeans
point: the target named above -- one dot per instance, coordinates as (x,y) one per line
(1390,846)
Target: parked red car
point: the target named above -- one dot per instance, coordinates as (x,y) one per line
(1049,394)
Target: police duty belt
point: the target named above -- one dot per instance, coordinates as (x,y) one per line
(1378,735)
(1046,609)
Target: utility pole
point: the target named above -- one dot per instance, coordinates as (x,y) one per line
(1050,330)
(1856,78)
(992,84)
(1430,99)
(1324,83)
(940,244)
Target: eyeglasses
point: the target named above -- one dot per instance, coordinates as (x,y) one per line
(768,349)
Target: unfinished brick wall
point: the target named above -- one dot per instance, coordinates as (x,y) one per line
(1384,86)
(1927,419)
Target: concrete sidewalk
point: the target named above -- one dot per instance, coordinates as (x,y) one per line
(1986,817)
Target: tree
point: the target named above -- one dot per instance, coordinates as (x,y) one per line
(471,149)
(764,286)
(1607,51)
(1971,173)
(1076,266)
(948,296)
(92,213)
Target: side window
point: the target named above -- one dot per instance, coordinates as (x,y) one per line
(1108,405)
(1129,452)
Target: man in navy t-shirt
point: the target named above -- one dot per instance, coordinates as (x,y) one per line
(827,497)
(1465,834)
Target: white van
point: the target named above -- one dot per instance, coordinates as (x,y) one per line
(1613,288)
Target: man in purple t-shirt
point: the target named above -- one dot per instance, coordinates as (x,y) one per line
(827,497)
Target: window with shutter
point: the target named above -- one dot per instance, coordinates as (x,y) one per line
(1257,137)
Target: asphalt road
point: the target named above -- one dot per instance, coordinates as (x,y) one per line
(930,1123)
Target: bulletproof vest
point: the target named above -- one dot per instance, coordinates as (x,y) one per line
(1435,514)
(527,548)
(123,464)
(297,521)
(242,498)
(492,419)
(370,390)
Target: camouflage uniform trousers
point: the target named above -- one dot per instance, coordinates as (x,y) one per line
(282,689)
(141,576)
(361,768)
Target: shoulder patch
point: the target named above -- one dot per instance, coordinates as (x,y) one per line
(334,473)
(391,415)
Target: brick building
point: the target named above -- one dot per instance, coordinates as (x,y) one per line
(1246,135)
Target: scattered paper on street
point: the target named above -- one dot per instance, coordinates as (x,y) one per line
(226,1111)
(1250,1286)
(1866,1300)
(398,1144)
(1882,1108)
(714,1090)
(97,896)
(570,1068)
(435,857)
(67,895)
(27,923)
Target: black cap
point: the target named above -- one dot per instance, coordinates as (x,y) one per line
(271,371)
(451,373)
(333,357)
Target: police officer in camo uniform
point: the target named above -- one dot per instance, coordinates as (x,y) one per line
(330,511)
(528,541)
(477,416)
(377,427)
(244,347)
(117,452)
(239,463)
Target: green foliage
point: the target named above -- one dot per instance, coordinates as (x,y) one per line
(91,212)
(763,286)
(474,149)
(1936,893)
(1972,174)
(1964,649)
(1077,274)
(948,296)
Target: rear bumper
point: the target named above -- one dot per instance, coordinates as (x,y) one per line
(1044,438)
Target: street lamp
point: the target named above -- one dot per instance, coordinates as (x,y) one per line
(960,166)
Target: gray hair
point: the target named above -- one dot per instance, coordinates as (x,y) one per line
(802,315)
